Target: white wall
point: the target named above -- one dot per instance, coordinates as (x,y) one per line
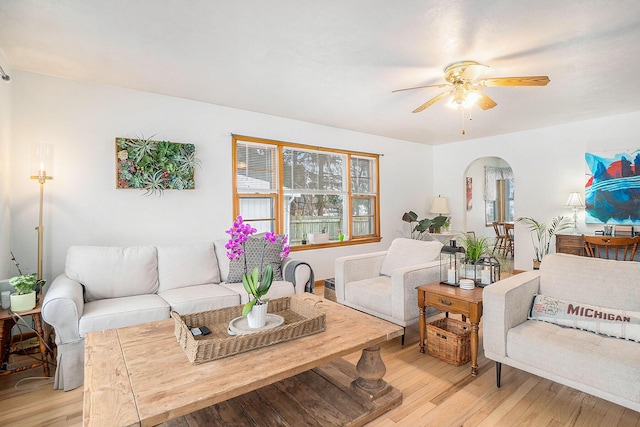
(83,207)
(5,213)
(547,165)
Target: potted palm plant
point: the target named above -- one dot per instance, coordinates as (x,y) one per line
(541,235)
(24,298)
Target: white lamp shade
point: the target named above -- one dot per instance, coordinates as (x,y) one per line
(42,159)
(440,205)
(575,200)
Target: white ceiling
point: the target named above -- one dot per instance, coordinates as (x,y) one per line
(336,62)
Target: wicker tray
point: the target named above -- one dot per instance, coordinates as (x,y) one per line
(300,319)
(449,340)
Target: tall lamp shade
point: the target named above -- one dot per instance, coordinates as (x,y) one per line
(41,170)
(440,206)
(575,202)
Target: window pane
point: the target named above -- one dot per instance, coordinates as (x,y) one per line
(314,213)
(362,211)
(256,167)
(259,212)
(313,170)
(362,176)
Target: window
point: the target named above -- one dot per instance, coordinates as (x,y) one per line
(499,192)
(300,190)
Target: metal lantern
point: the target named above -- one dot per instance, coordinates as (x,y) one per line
(487,270)
(451,258)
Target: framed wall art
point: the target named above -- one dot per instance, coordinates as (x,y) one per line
(612,189)
(154,166)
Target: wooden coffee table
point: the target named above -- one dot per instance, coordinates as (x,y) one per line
(139,375)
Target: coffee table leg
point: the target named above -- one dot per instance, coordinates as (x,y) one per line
(474,349)
(370,369)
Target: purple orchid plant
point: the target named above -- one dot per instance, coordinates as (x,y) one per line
(257,283)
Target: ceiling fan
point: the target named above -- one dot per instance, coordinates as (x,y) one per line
(465,89)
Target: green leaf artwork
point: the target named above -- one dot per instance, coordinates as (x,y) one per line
(155,166)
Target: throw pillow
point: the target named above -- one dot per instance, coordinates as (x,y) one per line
(407,252)
(253,248)
(601,320)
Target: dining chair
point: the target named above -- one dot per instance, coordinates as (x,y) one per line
(623,248)
(498,227)
(508,239)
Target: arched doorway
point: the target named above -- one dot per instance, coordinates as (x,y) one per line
(489,190)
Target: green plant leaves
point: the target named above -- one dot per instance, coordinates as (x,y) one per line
(155,165)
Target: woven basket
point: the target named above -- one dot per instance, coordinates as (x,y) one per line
(300,319)
(449,340)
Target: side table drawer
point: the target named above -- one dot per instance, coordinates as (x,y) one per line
(444,303)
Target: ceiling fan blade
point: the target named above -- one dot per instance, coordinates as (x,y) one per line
(432,101)
(484,101)
(515,81)
(473,71)
(421,87)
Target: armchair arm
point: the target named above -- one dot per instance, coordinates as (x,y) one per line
(404,297)
(356,267)
(299,273)
(62,308)
(506,304)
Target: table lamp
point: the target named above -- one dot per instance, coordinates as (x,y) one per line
(440,206)
(575,202)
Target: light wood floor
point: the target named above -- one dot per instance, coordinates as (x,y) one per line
(434,394)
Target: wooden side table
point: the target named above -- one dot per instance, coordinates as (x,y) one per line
(7,322)
(452,299)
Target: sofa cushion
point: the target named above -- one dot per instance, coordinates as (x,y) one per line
(112,272)
(193,264)
(602,320)
(602,362)
(373,294)
(278,289)
(407,252)
(253,248)
(600,282)
(120,312)
(195,299)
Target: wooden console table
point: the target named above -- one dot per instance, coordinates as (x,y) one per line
(570,244)
(452,299)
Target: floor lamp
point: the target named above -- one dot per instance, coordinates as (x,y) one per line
(41,160)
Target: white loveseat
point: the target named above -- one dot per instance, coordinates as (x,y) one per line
(383,284)
(112,287)
(597,364)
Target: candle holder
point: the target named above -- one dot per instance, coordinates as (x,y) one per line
(451,258)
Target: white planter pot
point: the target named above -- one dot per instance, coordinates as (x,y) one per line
(257,317)
(23,302)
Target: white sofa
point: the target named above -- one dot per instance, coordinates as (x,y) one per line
(383,284)
(597,364)
(112,287)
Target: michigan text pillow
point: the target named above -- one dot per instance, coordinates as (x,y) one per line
(601,320)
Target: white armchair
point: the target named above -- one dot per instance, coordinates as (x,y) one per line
(383,284)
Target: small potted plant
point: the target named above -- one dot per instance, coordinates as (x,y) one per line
(475,247)
(541,235)
(24,298)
